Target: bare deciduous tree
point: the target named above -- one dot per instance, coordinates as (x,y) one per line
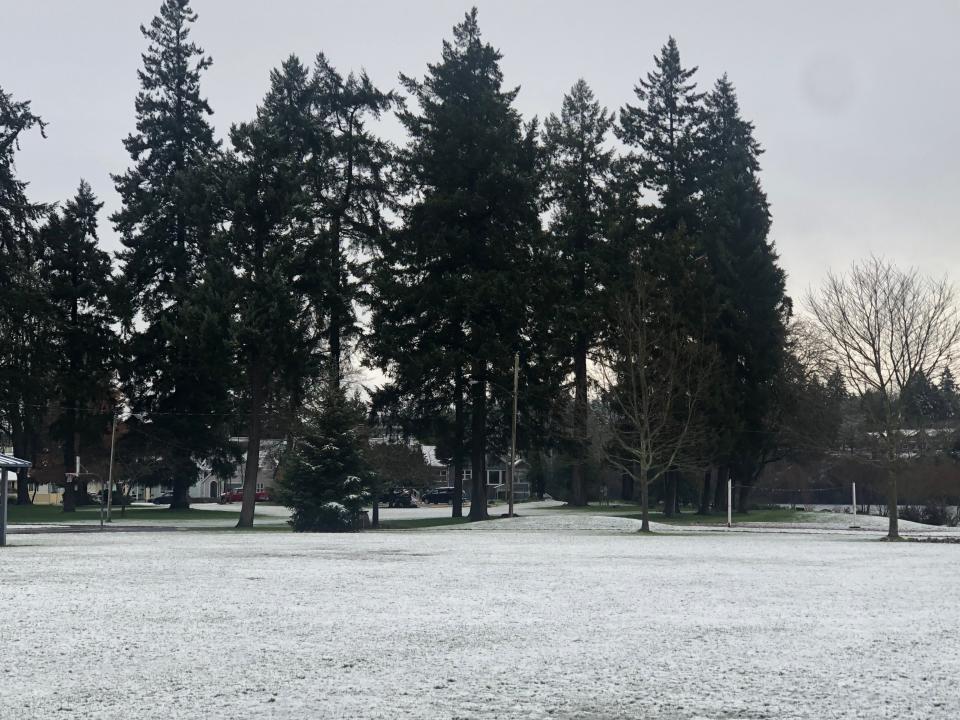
(654,375)
(883,326)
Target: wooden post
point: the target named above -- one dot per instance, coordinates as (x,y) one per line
(513,435)
(113,438)
(853,488)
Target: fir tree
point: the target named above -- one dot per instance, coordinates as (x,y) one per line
(460,261)
(349,184)
(578,168)
(664,129)
(749,304)
(663,132)
(26,373)
(325,477)
(177,377)
(269,231)
(78,275)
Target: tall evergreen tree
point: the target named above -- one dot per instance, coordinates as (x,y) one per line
(349,183)
(578,168)
(25,314)
(177,318)
(664,130)
(78,275)
(750,306)
(464,249)
(269,231)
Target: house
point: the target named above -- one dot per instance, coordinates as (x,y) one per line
(497,468)
(271,450)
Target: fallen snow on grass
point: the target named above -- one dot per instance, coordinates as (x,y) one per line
(468,624)
(559,522)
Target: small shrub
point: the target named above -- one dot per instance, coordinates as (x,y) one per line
(322,480)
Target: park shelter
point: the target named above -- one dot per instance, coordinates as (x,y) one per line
(7,463)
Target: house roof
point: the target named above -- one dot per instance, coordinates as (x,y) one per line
(9,462)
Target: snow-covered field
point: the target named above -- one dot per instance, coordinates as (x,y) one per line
(534,620)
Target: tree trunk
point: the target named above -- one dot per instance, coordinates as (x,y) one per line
(676,492)
(893,510)
(706,492)
(720,489)
(670,493)
(542,475)
(743,495)
(21,450)
(626,487)
(184,475)
(478,426)
(251,470)
(458,432)
(23,492)
(644,502)
(375,510)
(69,465)
(578,489)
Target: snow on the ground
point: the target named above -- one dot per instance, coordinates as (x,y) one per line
(466,624)
(575,521)
(580,521)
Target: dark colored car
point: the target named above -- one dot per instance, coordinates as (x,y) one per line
(166,499)
(399,498)
(441,495)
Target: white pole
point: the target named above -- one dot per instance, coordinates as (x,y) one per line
(113,437)
(853,487)
(729,503)
(513,434)
(3,507)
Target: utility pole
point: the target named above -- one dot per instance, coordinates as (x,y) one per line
(113,439)
(513,434)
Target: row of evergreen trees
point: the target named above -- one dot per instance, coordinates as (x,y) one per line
(247,266)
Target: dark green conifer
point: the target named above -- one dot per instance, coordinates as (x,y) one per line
(750,306)
(578,166)
(85,346)
(456,301)
(26,374)
(177,374)
(325,477)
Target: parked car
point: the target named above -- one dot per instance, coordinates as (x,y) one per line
(236,495)
(441,495)
(167,499)
(399,498)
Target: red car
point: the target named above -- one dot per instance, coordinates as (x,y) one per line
(236,495)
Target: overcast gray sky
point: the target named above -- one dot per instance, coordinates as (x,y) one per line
(856,103)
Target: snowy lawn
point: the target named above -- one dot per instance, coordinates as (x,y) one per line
(543,622)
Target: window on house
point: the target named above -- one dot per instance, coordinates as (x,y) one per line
(468,474)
